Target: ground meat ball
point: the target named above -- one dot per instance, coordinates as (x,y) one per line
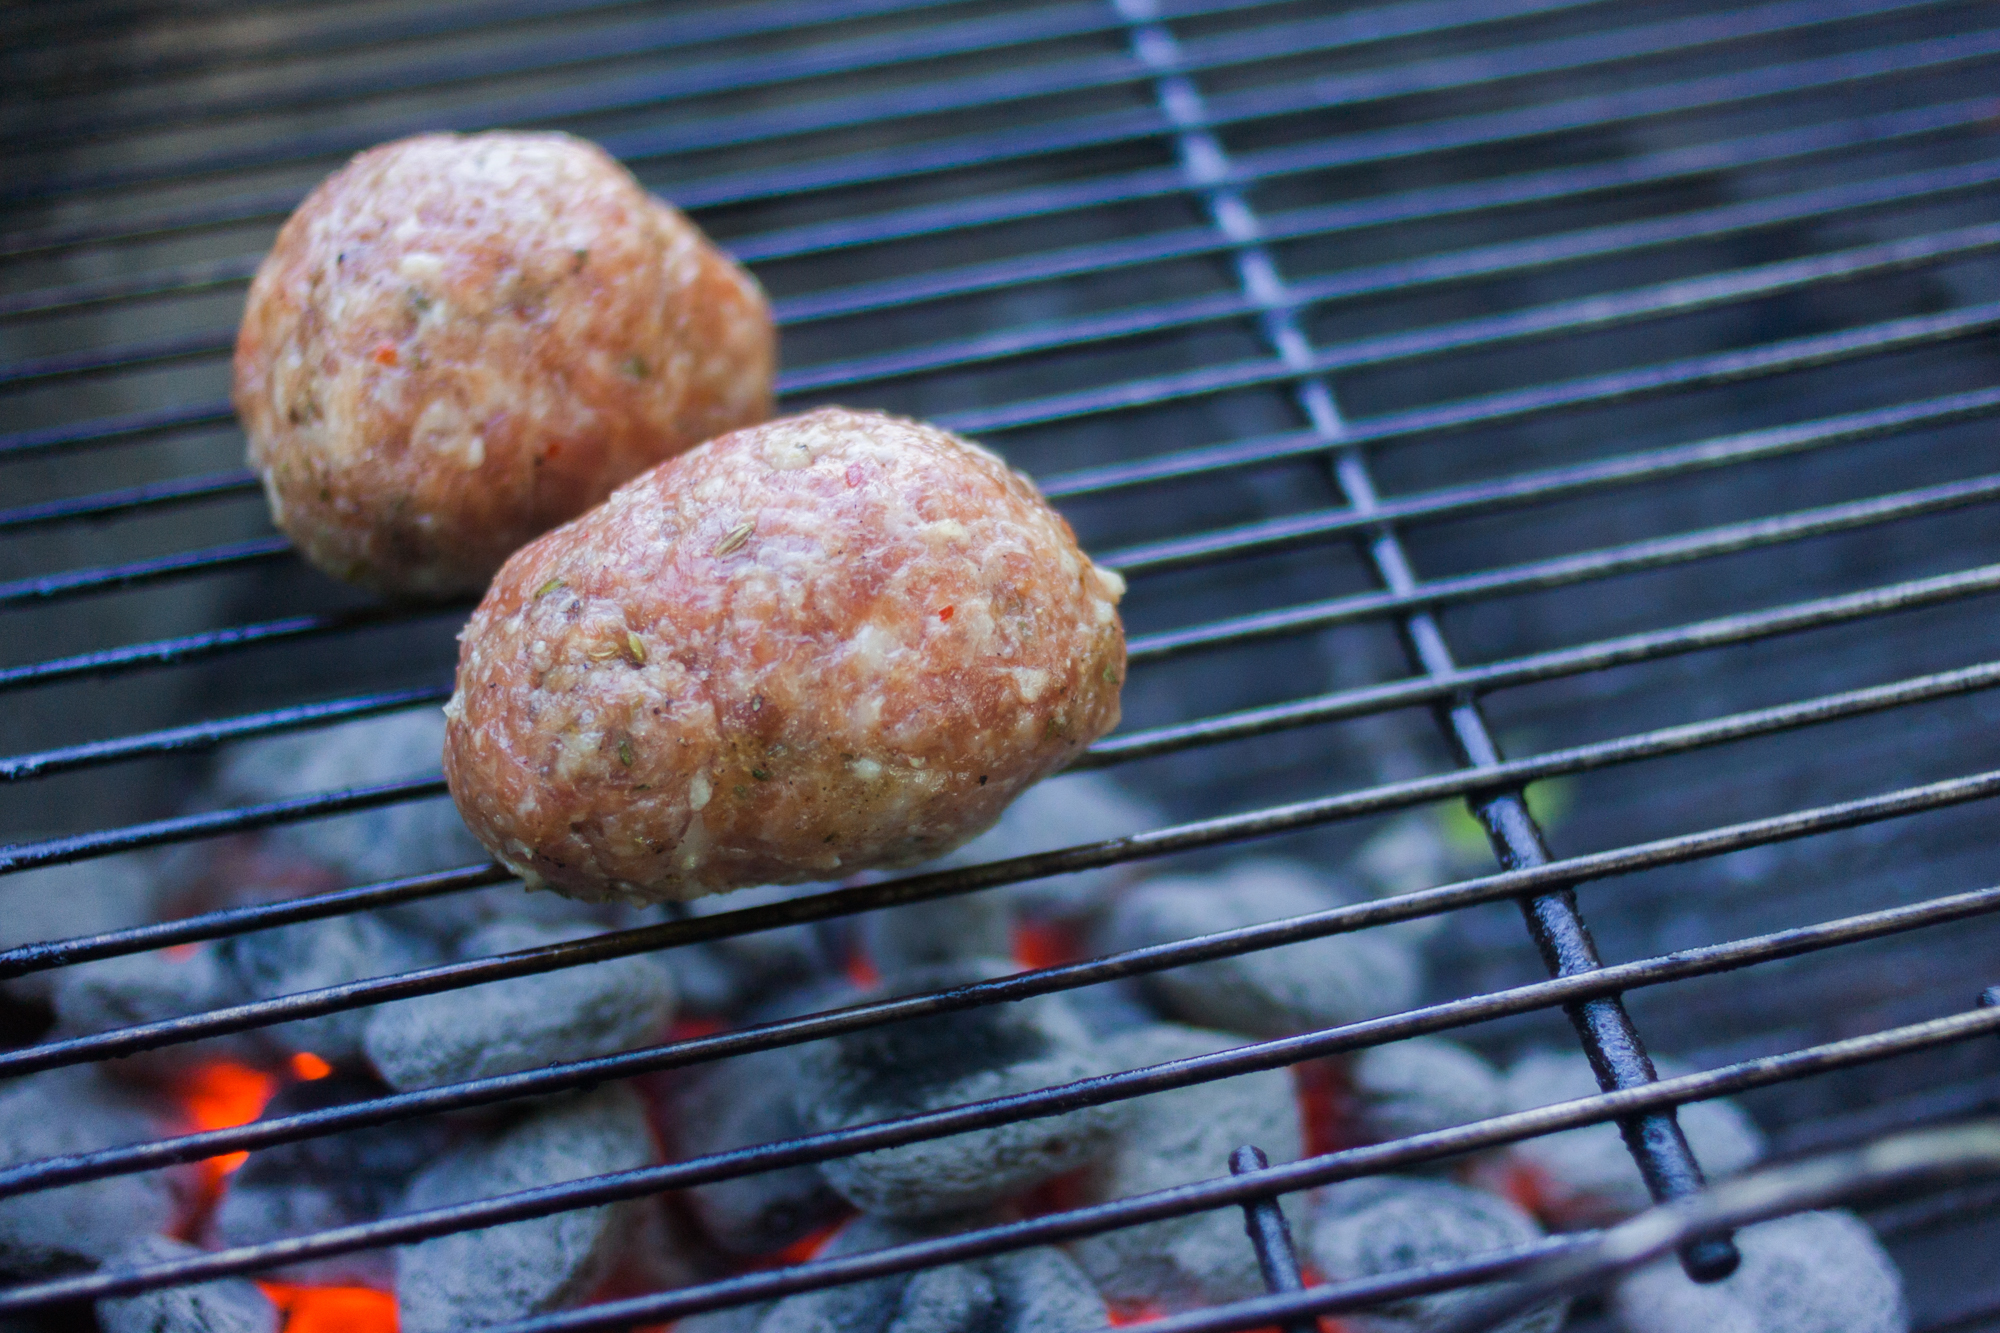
(458,342)
(835,641)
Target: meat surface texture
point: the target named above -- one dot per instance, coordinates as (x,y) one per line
(832,642)
(458,342)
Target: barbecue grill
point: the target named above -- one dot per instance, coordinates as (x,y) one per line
(1542,407)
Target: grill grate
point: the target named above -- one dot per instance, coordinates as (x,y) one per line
(1712,283)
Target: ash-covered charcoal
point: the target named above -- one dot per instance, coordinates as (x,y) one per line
(407,838)
(1030,1291)
(1171,1138)
(736,1103)
(1113,1006)
(313,954)
(1389,1224)
(145,988)
(1409,854)
(63,902)
(228,1305)
(1812,1273)
(473,1278)
(79,1226)
(1272,992)
(1585,1177)
(973,926)
(722,977)
(334,1180)
(1420,1085)
(572,1013)
(1061,812)
(452,916)
(930,1063)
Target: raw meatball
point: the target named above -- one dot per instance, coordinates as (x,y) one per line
(835,641)
(459,342)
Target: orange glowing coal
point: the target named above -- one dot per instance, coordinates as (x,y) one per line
(1139,1312)
(1047,944)
(861,971)
(306,1067)
(222,1095)
(332,1309)
(1323,1096)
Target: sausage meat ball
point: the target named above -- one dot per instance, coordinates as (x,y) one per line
(458,342)
(831,642)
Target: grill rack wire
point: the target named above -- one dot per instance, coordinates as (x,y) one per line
(1178,114)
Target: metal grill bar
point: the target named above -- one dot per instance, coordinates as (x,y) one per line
(1185,119)
(1264,1223)
(1616,1052)
(233,921)
(1474,782)
(211,824)
(1483,261)
(976,92)
(126,429)
(1233,109)
(1726,630)
(866,168)
(1284,532)
(1549,186)
(1651,553)
(72,365)
(1493,331)
(1768,358)
(1692,372)
(1511,258)
(188,280)
(1647,554)
(129,500)
(138,573)
(50,1173)
(700,28)
(1349,150)
(1742,628)
(1483,497)
(1366,1293)
(1534,487)
(652,36)
(205,735)
(195,647)
(1477,681)
(1652,1098)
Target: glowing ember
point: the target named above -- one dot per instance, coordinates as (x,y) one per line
(332,1309)
(689,1027)
(1046,944)
(805,1247)
(861,971)
(1323,1099)
(1058,1194)
(1525,1185)
(221,1095)
(1140,1313)
(306,1067)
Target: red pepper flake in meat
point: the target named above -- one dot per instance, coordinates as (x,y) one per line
(945,613)
(384,354)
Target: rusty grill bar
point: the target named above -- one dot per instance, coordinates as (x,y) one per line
(1207,89)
